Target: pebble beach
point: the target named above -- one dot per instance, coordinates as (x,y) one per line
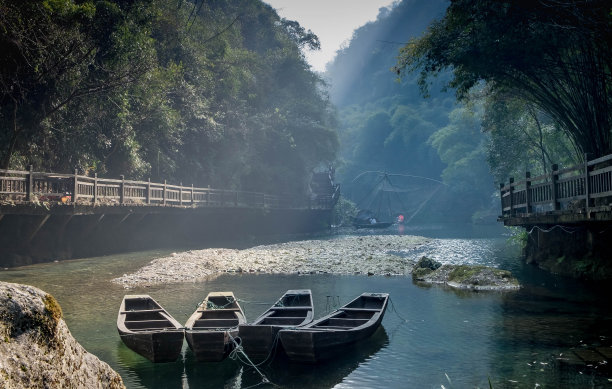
(371,255)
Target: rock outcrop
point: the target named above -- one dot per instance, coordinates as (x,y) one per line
(37,349)
(472,277)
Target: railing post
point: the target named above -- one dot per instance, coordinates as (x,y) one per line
(164,193)
(30,183)
(554,177)
(527,188)
(122,189)
(501,197)
(95,188)
(192,194)
(75,192)
(236,199)
(587,185)
(180,193)
(208,195)
(148,195)
(511,191)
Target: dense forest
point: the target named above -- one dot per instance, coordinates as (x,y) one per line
(423,112)
(204,92)
(509,87)
(432,149)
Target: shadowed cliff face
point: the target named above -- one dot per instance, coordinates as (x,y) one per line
(37,349)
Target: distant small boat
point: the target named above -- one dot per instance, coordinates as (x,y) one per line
(327,336)
(293,309)
(373,225)
(146,328)
(210,329)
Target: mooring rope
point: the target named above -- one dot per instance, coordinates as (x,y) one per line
(562,228)
(393,309)
(234,355)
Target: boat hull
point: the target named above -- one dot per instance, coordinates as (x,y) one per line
(211,346)
(210,330)
(293,309)
(258,341)
(330,335)
(148,329)
(313,346)
(163,346)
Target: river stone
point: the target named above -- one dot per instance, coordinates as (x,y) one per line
(37,349)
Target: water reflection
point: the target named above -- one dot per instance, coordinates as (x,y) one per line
(145,373)
(435,337)
(285,373)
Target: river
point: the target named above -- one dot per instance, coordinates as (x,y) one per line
(431,337)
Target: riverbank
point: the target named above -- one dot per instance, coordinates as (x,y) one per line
(371,255)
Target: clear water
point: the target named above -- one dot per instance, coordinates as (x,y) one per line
(431,337)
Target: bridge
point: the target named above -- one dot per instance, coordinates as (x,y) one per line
(52,189)
(576,194)
(567,214)
(48,216)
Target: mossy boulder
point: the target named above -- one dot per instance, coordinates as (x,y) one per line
(424,267)
(37,349)
(474,277)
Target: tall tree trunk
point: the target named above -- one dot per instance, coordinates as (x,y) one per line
(6,158)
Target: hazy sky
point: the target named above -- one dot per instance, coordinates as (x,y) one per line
(333,21)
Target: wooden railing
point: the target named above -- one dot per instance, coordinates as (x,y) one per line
(579,188)
(35,187)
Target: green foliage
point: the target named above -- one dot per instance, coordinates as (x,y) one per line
(216,94)
(523,139)
(344,212)
(554,55)
(518,235)
(386,126)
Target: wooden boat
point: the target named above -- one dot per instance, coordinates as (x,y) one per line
(293,309)
(209,331)
(146,328)
(373,225)
(327,336)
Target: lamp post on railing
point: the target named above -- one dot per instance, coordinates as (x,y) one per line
(95,188)
(122,190)
(527,187)
(75,192)
(30,183)
(587,185)
(553,181)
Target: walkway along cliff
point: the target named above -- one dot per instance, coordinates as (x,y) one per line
(48,216)
(568,217)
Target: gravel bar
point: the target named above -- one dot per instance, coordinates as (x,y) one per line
(371,255)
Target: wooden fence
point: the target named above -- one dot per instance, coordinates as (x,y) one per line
(35,187)
(577,188)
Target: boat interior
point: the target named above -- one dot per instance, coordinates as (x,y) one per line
(222,318)
(367,302)
(346,319)
(295,300)
(143,314)
(285,316)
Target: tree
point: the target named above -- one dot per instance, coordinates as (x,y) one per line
(56,52)
(554,54)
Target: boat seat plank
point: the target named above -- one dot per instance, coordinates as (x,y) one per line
(361,309)
(155,329)
(299,307)
(143,310)
(220,310)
